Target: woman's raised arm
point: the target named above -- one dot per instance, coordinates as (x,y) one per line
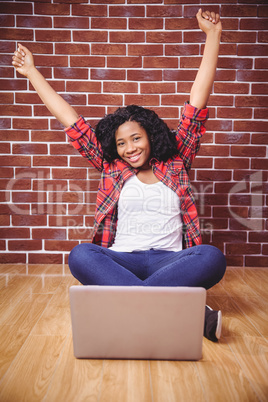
(24,63)
(210,23)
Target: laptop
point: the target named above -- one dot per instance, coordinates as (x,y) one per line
(137,322)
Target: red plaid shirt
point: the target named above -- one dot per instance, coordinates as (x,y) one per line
(173,173)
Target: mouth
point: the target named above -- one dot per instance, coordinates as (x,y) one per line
(134,158)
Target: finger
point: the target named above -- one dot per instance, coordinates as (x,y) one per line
(213,17)
(206,15)
(217,18)
(22,49)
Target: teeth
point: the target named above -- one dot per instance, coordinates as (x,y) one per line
(134,158)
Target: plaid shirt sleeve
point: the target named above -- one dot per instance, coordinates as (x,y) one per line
(82,137)
(190,130)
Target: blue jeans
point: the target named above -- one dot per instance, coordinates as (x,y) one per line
(202,266)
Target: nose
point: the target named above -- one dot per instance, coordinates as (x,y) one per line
(130,148)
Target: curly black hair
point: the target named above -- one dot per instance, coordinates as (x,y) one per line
(162,139)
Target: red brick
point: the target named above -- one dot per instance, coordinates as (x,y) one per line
(144,75)
(29,220)
(261,63)
(259,164)
(263,11)
(254,101)
(217,100)
(124,62)
(50,160)
(103,99)
(13,233)
(46,233)
(260,139)
(214,150)
(12,258)
(70,221)
(145,50)
(53,35)
(213,175)
(15,110)
(30,124)
(16,34)
(71,73)
(121,87)
(15,8)
(238,63)
(16,85)
(144,100)
(258,126)
(51,9)
(7,72)
(89,10)
(127,37)
(29,149)
(232,163)
(49,185)
(68,173)
(87,61)
(254,24)
(238,37)
(225,212)
(40,258)
(202,163)
(163,37)
(108,49)
(263,37)
(234,113)
(6,172)
(49,209)
(184,87)
(232,138)
(249,151)
(179,75)
(228,236)
(164,11)
(181,50)
(71,22)
(16,161)
(80,233)
(90,36)
(33,22)
(88,86)
(109,23)
(259,88)
(256,261)
(146,23)
(60,245)
(238,11)
(157,88)
(249,50)
(160,62)
(234,88)
(18,245)
(107,74)
(127,11)
(172,99)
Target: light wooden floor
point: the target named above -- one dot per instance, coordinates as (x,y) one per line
(36,356)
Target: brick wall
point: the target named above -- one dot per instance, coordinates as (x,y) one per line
(103,54)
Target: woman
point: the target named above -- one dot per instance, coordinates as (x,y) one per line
(146,222)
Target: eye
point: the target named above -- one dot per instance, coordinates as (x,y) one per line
(120,144)
(136,138)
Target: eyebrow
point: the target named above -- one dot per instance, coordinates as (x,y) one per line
(132,135)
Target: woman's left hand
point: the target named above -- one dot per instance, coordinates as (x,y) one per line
(208,21)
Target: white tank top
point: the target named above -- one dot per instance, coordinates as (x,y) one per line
(148,217)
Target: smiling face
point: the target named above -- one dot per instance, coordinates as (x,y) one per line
(133,145)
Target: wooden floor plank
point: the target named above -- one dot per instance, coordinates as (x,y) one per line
(30,374)
(75,379)
(16,325)
(37,361)
(173,381)
(126,381)
(252,356)
(222,378)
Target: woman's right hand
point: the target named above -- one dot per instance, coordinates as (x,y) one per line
(23,60)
